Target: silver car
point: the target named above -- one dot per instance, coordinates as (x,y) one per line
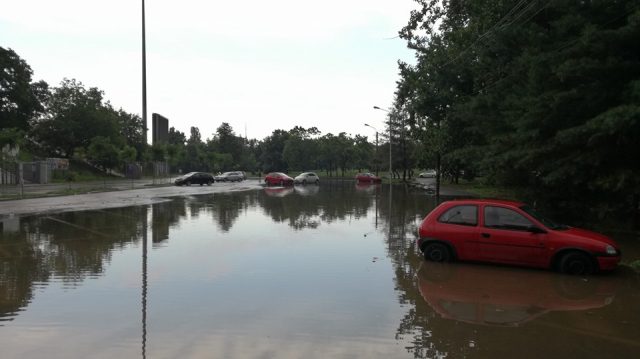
(307,177)
(229,177)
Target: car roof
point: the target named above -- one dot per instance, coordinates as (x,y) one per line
(487,201)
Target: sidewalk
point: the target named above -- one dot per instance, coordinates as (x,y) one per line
(430,183)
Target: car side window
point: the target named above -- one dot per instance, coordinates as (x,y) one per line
(464,215)
(504,218)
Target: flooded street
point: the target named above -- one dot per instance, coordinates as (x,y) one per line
(327,271)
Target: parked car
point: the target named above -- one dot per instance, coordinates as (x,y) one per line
(307,177)
(194,178)
(427,174)
(278,178)
(368,178)
(512,233)
(229,177)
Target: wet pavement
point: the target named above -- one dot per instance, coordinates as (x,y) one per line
(325,271)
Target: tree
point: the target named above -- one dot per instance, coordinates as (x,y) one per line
(103,153)
(132,130)
(226,142)
(364,154)
(272,149)
(75,116)
(128,155)
(543,96)
(176,137)
(300,149)
(21,101)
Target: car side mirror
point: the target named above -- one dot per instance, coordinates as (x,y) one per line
(536,230)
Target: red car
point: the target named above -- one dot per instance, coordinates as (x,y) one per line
(512,233)
(278,179)
(368,178)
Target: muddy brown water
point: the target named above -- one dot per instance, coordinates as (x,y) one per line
(325,271)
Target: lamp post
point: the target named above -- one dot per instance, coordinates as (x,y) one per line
(390,168)
(144,75)
(376,161)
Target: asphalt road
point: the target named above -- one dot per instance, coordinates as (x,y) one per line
(119,193)
(116,198)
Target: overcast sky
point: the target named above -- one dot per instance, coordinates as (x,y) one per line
(256,64)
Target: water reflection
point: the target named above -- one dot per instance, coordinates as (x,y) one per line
(291,272)
(492,295)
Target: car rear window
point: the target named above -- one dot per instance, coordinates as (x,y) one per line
(466,215)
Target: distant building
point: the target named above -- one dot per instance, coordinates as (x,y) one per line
(160,129)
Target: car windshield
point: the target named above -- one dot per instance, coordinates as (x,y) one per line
(544,220)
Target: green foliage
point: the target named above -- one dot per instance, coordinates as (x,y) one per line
(75,116)
(159,152)
(544,96)
(20,99)
(103,153)
(128,154)
(11,137)
(176,137)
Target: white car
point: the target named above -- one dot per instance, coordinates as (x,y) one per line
(307,177)
(428,174)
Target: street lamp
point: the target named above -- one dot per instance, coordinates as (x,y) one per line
(376,160)
(144,75)
(390,169)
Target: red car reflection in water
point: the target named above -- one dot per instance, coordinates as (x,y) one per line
(488,295)
(512,233)
(278,191)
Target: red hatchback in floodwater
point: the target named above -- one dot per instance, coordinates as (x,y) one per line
(278,179)
(367,178)
(512,233)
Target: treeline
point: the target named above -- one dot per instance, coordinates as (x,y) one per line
(72,121)
(543,95)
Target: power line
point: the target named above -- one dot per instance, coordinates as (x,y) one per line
(502,24)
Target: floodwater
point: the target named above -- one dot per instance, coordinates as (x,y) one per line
(325,271)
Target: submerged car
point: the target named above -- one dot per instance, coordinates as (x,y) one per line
(230,177)
(307,177)
(368,178)
(278,179)
(513,233)
(194,178)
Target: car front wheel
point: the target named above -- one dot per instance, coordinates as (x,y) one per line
(576,263)
(437,252)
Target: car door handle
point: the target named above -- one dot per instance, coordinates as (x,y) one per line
(486,235)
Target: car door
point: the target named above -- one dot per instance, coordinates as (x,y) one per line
(506,237)
(459,226)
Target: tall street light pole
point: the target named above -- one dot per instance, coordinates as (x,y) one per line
(144,76)
(390,168)
(376,160)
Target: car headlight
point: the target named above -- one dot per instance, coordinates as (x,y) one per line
(611,251)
